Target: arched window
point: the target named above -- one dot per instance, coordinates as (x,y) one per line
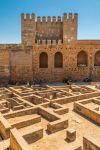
(43,60)
(97,59)
(58,60)
(82,59)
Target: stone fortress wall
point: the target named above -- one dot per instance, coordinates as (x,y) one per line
(50,50)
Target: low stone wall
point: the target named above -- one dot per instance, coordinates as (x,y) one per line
(18,113)
(35,99)
(77,148)
(17,142)
(61,111)
(27,122)
(90,143)
(55,105)
(91,114)
(4,145)
(76,98)
(5,110)
(18,107)
(46,105)
(57,125)
(33,135)
(4,128)
(50,116)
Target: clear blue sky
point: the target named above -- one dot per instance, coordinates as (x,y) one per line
(10,10)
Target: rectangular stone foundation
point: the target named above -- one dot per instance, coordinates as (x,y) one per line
(4,127)
(88,112)
(29,121)
(50,116)
(33,135)
(90,143)
(5,144)
(61,111)
(57,125)
(17,142)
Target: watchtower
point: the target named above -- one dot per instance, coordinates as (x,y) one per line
(40,29)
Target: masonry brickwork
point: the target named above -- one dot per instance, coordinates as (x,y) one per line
(50,51)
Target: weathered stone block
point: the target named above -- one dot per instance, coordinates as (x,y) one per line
(71,135)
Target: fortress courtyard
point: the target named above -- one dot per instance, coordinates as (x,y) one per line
(50,117)
(49,85)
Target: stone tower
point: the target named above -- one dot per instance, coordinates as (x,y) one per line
(28,27)
(42,30)
(70,26)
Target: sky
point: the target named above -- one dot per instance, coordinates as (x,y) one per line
(10,21)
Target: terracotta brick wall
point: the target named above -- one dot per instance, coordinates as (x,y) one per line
(4,63)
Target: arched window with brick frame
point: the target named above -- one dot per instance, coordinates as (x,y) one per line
(58,60)
(43,60)
(82,59)
(97,59)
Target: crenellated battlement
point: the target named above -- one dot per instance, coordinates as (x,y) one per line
(70,16)
(27,16)
(65,17)
(49,28)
